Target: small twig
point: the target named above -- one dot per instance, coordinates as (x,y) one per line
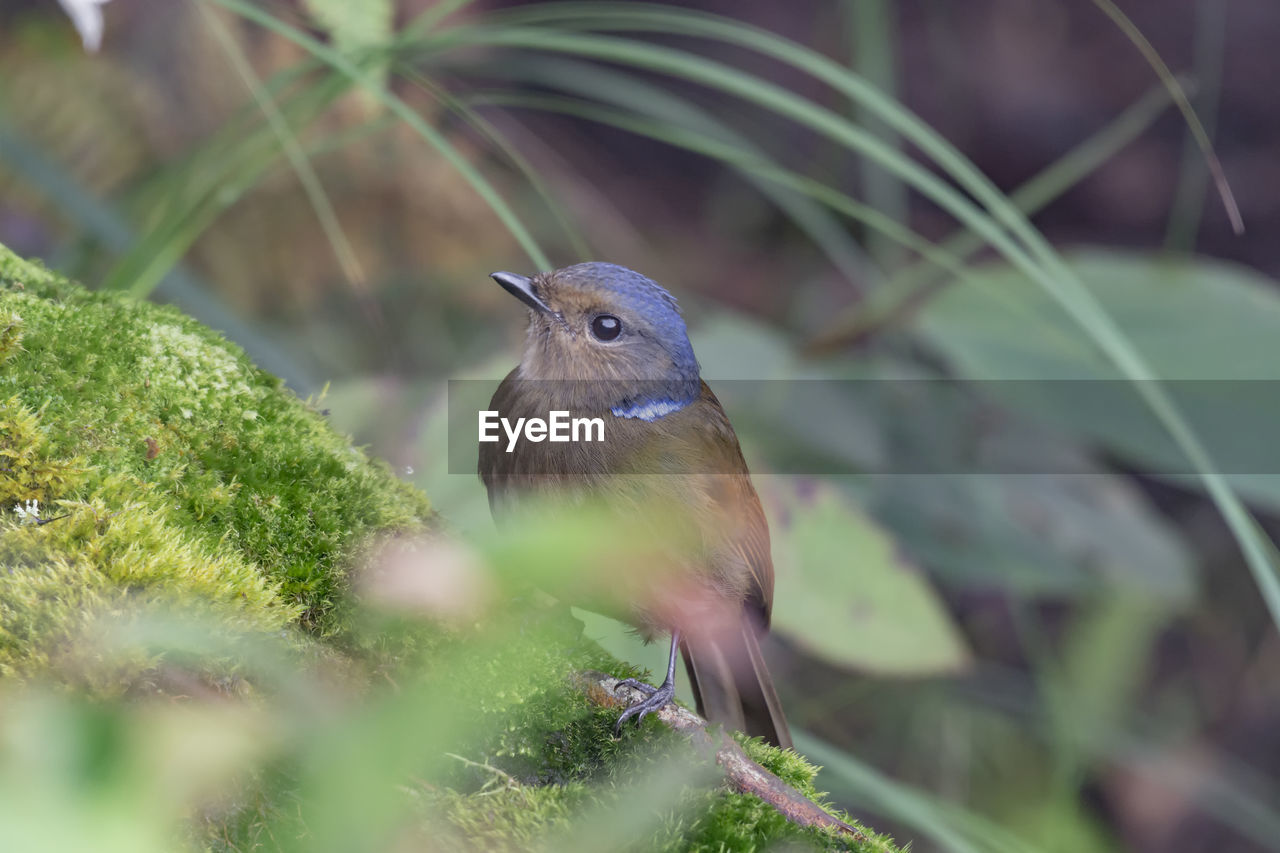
(509,781)
(742,774)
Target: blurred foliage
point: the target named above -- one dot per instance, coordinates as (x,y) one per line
(1220,369)
(884,618)
(1072,657)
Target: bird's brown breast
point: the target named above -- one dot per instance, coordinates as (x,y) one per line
(685,467)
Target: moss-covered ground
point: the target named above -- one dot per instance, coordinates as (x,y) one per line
(168,473)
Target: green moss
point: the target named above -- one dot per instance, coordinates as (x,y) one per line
(144,394)
(30,467)
(89,562)
(10,334)
(514,817)
(188,477)
(549,764)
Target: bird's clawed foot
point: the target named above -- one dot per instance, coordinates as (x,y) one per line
(657,697)
(644,687)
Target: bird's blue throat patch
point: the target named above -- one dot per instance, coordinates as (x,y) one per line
(650,407)
(649,410)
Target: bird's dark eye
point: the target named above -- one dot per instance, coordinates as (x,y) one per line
(606,327)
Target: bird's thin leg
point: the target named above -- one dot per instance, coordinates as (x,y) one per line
(657,696)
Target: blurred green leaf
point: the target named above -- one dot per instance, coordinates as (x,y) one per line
(1192,318)
(845,592)
(1094,686)
(837,432)
(353,26)
(1067,530)
(1038,535)
(1212,329)
(78,775)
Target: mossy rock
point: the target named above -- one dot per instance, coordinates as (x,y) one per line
(169,473)
(166,467)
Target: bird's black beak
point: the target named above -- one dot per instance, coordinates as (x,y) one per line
(521,288)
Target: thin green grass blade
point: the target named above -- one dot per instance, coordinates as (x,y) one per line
(573,233)
(628,92)
(665,19)
(657,18)
(432,17)
(730,154)
(1188,200)
(298,159)
(873,34)
(755,90)
(1157,63)
(187,198)
(163,194)
(396,105)
(824,121)
(913,285)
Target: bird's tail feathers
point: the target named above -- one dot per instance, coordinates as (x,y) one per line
(732,685)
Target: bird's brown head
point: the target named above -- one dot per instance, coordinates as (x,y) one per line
(611,328)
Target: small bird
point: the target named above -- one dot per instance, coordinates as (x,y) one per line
(606,341)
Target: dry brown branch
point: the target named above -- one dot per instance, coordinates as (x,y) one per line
(742,774)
